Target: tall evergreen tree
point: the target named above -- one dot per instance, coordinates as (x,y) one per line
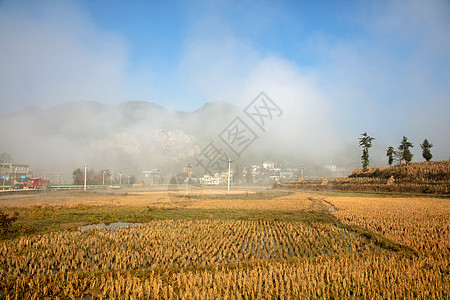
(404,153)
(390,152)
(426,153)
(365,142)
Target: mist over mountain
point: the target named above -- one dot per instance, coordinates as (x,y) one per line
(129,137)
(135,136)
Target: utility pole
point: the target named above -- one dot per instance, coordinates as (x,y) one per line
(85,176)
(229,173)
(188,167)
(120,178)
(104,177)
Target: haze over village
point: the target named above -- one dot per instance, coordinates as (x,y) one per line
(135,138)
(151,92)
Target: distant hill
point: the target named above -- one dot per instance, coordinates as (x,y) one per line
(128,137)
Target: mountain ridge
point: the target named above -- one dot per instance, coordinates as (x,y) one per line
(129,103)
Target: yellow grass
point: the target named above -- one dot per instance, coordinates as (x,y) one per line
(162,244)
(285,203)
(160,199)
(420,223)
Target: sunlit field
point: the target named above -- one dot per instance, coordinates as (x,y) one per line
(251,243)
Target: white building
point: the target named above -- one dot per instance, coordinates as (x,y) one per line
(269,165)
(331,168)
(210,180)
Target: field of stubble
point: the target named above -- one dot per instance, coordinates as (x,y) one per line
(252,243)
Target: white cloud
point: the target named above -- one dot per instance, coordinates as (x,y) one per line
(389,80)
(52,53)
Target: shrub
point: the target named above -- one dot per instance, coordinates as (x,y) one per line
(6,222)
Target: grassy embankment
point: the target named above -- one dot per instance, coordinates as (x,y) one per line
(411,179)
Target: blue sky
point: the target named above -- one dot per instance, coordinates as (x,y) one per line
(345,66)
(156,31)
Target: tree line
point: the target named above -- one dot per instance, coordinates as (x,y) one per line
(94,177)
(402,154)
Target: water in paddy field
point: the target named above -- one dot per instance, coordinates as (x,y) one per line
(110,226)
